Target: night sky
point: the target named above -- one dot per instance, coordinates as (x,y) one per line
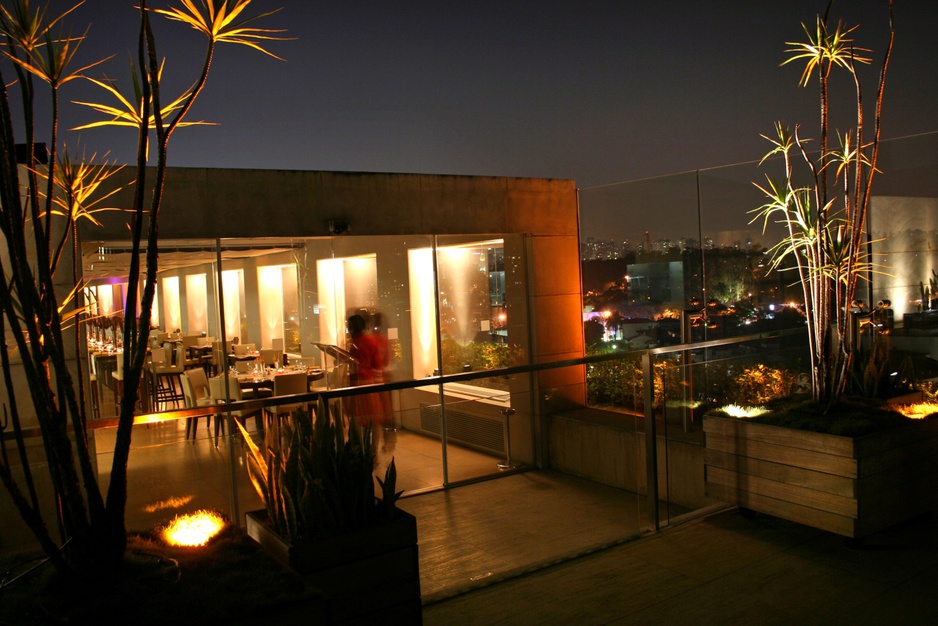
(596,91)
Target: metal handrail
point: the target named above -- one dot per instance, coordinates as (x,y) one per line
(251,405)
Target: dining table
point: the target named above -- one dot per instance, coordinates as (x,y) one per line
(248,356)
(262,385)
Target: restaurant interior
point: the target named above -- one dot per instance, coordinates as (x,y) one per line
(271,314)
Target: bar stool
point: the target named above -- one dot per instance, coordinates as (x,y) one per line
(93,388)
(167,376)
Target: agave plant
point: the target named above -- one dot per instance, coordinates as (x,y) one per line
(826,222)
(315,478)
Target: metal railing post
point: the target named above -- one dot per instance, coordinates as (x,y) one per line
(507,464)
(651,441)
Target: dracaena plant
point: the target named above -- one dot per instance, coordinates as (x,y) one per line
(41,319)
(822,199)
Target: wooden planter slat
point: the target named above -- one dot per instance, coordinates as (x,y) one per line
(788,437)
(784,454)
(870,464)
(784,492)
(792,512)
(799,476)
(888,477)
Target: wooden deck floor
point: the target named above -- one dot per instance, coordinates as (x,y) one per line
(478,534)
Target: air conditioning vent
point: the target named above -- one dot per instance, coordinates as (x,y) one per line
(472,430)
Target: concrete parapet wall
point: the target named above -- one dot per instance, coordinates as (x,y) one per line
(605,446)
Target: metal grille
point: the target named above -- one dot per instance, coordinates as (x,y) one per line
(466,428)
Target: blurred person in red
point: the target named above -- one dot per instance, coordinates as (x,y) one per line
(367,369)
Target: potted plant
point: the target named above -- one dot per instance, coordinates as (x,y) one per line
(322,518)
(843,465)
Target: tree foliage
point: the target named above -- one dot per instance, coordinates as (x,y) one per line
(825,218)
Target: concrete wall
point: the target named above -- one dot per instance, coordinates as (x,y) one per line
(607,447)
(905,235)
(203,202)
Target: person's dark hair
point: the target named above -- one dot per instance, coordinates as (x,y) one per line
(356,324)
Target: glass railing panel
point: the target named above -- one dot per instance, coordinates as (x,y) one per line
(416,449)
(486,424)
(602,444)
(688,383)
(169,473)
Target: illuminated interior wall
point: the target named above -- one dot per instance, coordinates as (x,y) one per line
(196,304)
(422,311)
(361,284)
(465,299)
(232,286)
(106,304)
(330,277)
(291,309)
(270,298)
(172,313)
(155,309)
(455,292)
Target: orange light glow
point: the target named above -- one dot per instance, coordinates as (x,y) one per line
(171,503)
(917,411)
(193,529)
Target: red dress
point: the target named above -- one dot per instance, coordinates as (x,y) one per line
(366,408)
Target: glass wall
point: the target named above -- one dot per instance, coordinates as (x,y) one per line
(431,305)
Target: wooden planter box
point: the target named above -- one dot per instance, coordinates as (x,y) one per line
(850,486)
(367,575)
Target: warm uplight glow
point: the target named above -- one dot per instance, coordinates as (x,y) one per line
(330,277)
(196,303)
(231,281)
(171,305)
(917,411)
(105,299)
(193,529)
(170,503)
(734,410)
(270,299)
(422,310)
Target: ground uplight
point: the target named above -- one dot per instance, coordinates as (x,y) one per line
(734,410)
(919,410)
(193,529)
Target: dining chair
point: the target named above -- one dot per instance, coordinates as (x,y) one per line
(271,357)
(234,394)
(196,391)
(219,357)
(193,355)
(242,349)
(287,384)
(334,378)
